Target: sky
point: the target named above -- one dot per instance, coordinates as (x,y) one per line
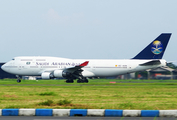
(85,29)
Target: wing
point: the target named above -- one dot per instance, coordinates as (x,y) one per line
(77,67)
(68,73)
(76,71)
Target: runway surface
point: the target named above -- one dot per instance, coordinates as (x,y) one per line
(81,118)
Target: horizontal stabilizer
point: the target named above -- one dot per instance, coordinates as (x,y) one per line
(153,62)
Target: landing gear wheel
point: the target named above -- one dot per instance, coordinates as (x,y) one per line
(85,81)
(69,81)
(79,81)
(82,80)
(19,81)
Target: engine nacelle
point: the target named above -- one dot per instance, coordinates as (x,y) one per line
(58,73)
(46,75)
(61,73)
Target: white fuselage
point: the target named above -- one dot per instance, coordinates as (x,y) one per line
(35,66)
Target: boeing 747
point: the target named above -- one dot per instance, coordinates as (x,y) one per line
(80,69)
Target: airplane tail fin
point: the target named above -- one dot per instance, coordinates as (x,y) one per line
(155,49)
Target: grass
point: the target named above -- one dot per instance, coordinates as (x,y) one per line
(63,102)
(47,94)
(97,94)
(46,103)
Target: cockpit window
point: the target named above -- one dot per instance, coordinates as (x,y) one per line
(13,59)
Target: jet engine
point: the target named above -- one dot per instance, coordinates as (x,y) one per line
(46,75)
(61,73)
(56,74)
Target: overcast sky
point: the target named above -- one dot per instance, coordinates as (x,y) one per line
(89,29)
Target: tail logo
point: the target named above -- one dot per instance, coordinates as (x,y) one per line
(156,47)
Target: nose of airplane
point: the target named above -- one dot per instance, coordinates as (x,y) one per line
(3,67)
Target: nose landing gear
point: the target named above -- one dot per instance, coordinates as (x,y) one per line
(18,79)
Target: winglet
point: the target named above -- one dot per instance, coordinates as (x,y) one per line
(84,64)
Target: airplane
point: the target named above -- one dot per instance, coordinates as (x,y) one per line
(70,69)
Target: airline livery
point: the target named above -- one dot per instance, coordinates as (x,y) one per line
(81,69)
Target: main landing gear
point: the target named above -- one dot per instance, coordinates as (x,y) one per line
(69,81)
(84,80)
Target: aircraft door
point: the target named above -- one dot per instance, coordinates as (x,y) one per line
(131,67)
(20,66)
(93,66)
